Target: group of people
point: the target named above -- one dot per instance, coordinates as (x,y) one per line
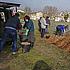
(10,31)
(43,24)
(13,25)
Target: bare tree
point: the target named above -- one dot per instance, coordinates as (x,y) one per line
(51,11)
(27,10)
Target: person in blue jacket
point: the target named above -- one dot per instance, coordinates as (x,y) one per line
(60,29)
(29,25)
(10,31)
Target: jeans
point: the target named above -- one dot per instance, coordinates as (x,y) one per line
(13,35)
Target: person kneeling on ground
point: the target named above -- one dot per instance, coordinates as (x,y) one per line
(61,29)
(30,39)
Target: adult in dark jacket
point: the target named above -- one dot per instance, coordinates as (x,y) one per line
(1,26)
(39,24)
(10,31)
(48,23)
(29,25)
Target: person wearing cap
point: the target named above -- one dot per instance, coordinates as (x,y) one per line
(11,25)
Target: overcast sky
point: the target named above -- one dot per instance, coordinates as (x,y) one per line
(39,4)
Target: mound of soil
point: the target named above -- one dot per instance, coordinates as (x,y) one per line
(60,41)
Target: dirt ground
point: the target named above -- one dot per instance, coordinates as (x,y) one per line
(46,50)
(60,41)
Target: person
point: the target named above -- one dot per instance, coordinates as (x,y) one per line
(47,20)
(30,26)
(60,29)
(11,25)
(67,28)
(1,26)
(39,24)
(48,23)
(43,26)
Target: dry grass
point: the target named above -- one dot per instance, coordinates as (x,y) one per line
(56,58)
